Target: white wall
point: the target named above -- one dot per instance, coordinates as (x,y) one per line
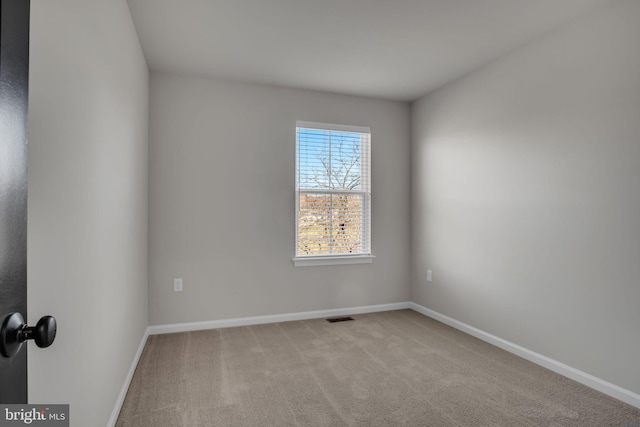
(526,201)
(87,253)
(222,162)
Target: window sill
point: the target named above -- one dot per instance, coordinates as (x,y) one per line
(332,260)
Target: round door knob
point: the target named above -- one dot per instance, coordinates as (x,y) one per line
(43,333)
(15,332)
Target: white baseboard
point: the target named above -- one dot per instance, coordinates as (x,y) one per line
(287,317)
(582,377)
(125,387)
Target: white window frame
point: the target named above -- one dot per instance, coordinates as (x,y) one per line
(333,259)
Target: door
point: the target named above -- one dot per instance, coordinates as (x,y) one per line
(14,78)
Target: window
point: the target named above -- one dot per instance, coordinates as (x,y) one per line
(333,194)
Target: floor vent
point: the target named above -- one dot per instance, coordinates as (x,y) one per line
(340,319)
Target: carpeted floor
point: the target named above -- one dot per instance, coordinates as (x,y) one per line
(382,369)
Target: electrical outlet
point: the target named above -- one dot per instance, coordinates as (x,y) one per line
(177,285)
(429,275)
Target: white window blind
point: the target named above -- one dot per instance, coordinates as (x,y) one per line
(333,190)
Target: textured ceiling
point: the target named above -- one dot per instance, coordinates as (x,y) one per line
(391,49)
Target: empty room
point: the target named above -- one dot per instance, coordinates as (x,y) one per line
(321,213)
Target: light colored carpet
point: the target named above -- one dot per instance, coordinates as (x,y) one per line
(382,369)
